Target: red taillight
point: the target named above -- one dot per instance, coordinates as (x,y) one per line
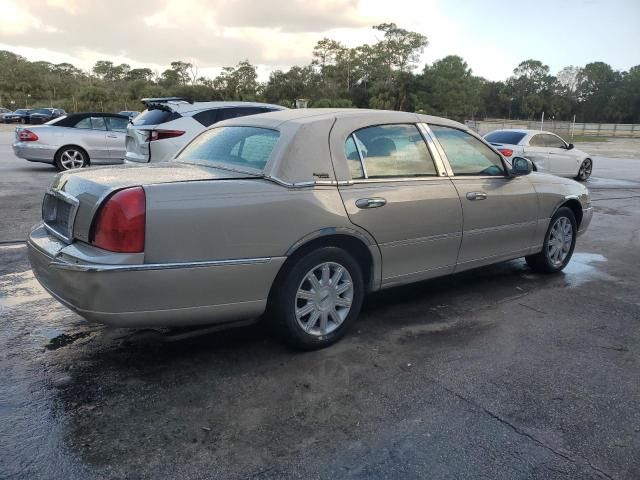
(507,152)
(162,134)
(27,136)
(120,223)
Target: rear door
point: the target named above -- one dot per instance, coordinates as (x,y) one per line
(91,134)
(500,212)
(401,198)
(538,152)
(117,131)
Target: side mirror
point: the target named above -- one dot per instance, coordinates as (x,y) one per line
(521,166)
(570,146)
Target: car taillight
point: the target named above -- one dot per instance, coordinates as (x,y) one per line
(507,152)
(162,134)
(25,135)
(120,223)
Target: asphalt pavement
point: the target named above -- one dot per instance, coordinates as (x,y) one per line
(495,373)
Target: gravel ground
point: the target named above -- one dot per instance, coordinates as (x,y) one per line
(494,373)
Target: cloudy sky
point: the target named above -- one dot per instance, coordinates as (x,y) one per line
(493,36)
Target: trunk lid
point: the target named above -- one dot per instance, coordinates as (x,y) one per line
(74,196)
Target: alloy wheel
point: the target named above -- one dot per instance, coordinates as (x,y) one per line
(560,241)
(71,159)
(585,170)
(324,298)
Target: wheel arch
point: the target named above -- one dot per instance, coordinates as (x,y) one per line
(70,145)
(360,245)
(575,206)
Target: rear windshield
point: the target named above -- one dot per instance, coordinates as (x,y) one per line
(505,136)
(244,147)
(155,116)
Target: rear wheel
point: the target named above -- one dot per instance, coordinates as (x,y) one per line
(71,158)
(559,243)
(585,170)
(318,298)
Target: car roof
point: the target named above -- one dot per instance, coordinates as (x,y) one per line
(310,115)
(71,119)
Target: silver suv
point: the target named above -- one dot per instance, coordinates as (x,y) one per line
(170,123)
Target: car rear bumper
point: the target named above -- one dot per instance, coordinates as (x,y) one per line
(34,151)
(152,295)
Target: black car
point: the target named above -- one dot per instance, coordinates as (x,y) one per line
(43,115)
(19,116)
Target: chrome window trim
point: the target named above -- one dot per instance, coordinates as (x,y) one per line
(362,164)
(84,267)
(442,167)
(397,179)
(75,203)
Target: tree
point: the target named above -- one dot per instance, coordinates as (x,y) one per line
(451,89)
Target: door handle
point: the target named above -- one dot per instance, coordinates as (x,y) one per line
(112,136)
(476,196)
(370,202)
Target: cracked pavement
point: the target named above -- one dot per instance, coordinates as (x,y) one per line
(495,373)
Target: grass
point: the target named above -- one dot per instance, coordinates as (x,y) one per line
(582,139)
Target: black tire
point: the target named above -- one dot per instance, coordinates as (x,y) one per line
(82,159)
(585,170)
(543,262)
(285,301)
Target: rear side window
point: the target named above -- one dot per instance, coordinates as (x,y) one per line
(393,151)
(155,116)
(505,136)
(207,117)
(466,154)
(92,123)
(248,147)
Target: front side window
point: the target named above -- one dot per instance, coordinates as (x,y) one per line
(392,151)
(537,141)
(466,154)
(248,147)
(553,141)
(117,124)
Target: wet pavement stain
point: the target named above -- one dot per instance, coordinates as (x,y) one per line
(584,268)
(63,340)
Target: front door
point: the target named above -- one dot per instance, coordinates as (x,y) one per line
(402,200)
(538,152)
(116,134)
(561,159)
(500,212)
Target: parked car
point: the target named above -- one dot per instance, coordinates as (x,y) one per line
(19,116)
(129,113)
(3,111)
(300,212)
(170,123)
(44,115)
(74,141)
(547,151)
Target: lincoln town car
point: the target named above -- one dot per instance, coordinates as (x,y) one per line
(294,216)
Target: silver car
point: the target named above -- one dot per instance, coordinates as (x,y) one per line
(548,152)
(299,213)
(74,141)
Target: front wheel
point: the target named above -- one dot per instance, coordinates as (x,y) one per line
(559,243)
(318,298)
(585,170)
(71,158)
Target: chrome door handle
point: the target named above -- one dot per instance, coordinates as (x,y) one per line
(112,136)
(370,202)
(476,196)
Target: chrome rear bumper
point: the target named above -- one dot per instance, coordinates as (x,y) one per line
(152,295)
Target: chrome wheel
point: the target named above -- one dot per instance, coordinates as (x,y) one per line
(324,298)
(70,159)
(560,241)
(585,170)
